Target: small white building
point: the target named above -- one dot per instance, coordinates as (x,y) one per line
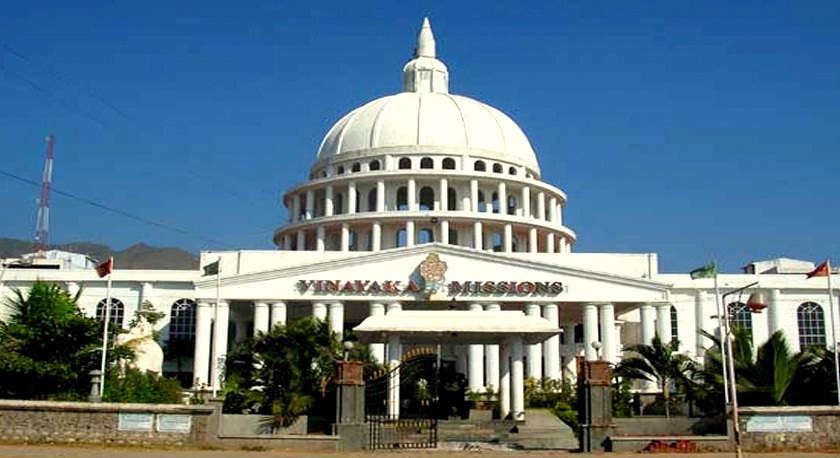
(430,201)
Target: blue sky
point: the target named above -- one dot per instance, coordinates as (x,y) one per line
(695,130)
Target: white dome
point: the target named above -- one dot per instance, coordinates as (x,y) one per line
(428,119)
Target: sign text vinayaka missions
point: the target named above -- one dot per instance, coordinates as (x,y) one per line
(546,288)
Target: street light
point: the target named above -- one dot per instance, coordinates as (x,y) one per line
(597,346)
(755,304)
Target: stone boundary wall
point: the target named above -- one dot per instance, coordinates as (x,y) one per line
(804,428)
(106,423)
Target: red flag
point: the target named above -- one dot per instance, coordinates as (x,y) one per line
(820,271)
(105,268)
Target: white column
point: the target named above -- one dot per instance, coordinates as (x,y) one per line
(376,234)
(220,334)
(663,322)
(394,307)
(319,239)
(444,194)
(491,353)
(775,315)
(534,350)
(703,312)
(549,242)
(474,195)
(287,242)
(328,201)
(444,232)
(319,311)
(517,380)
(201,358)
(310,204)
(552,210)
(475,376)
(504,380)
(477,235)
(345,237)
(551,347)
(260,317)
(648,317)
(380,196)
(412,195)
(301,240)
(278,314)
(351,198)
(377,350)
(608,339)
(394,355)
(508,238)
(409,233)
(503,204)
(590,331)
(541,205)
(295,208)
(336,319)
(526,202)
(533,242)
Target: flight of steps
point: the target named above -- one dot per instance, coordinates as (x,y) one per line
(540,431)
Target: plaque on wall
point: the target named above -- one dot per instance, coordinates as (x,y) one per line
(174,423)
(135,421)
(780,424)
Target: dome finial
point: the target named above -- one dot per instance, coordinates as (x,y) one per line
(425,41)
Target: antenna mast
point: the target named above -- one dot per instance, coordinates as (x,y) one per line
(42,227)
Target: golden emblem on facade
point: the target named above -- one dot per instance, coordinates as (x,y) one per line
(432,270)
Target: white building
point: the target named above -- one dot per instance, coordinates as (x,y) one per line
(426,174)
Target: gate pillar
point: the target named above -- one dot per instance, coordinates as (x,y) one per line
(350,405)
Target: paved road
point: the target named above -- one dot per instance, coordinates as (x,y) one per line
(38,451)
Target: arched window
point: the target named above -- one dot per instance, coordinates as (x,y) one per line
(451,199)
(740,317)
(374,165)
(479,166)
(357,167)
(511,205)
(371,200)
(426,236)
(405,163)
(427,198)
(402,198)
(353,241)
(427,163)
(481,204)
(512,170)
(811,323)
(675,330)
(340,170)
(402,238)
(496,206)
(115,315)
(497,168)
(449,164)
(182,320)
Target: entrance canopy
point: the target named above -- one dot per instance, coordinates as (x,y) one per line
(455,326)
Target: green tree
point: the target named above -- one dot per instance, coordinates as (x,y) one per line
(283,373)
(660,363)
(47,346)
(815,381)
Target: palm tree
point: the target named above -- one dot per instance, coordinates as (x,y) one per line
(660,363)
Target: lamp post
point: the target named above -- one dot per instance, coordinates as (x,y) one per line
(755,304)
(597,346)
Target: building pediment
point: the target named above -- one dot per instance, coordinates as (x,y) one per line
(464,274)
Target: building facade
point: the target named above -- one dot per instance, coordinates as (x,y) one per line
(427,200)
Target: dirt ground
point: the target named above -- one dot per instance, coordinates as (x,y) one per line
(30,451)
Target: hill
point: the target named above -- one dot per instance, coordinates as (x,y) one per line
(138,256)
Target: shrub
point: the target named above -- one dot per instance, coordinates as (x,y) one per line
(142,387)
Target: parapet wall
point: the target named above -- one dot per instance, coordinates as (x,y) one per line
(805,428)
(101,423)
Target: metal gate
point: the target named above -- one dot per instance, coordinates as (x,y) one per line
(417,425)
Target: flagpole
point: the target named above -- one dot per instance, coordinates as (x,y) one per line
(724,335)
(833,330)
(105,329)
(214,366)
